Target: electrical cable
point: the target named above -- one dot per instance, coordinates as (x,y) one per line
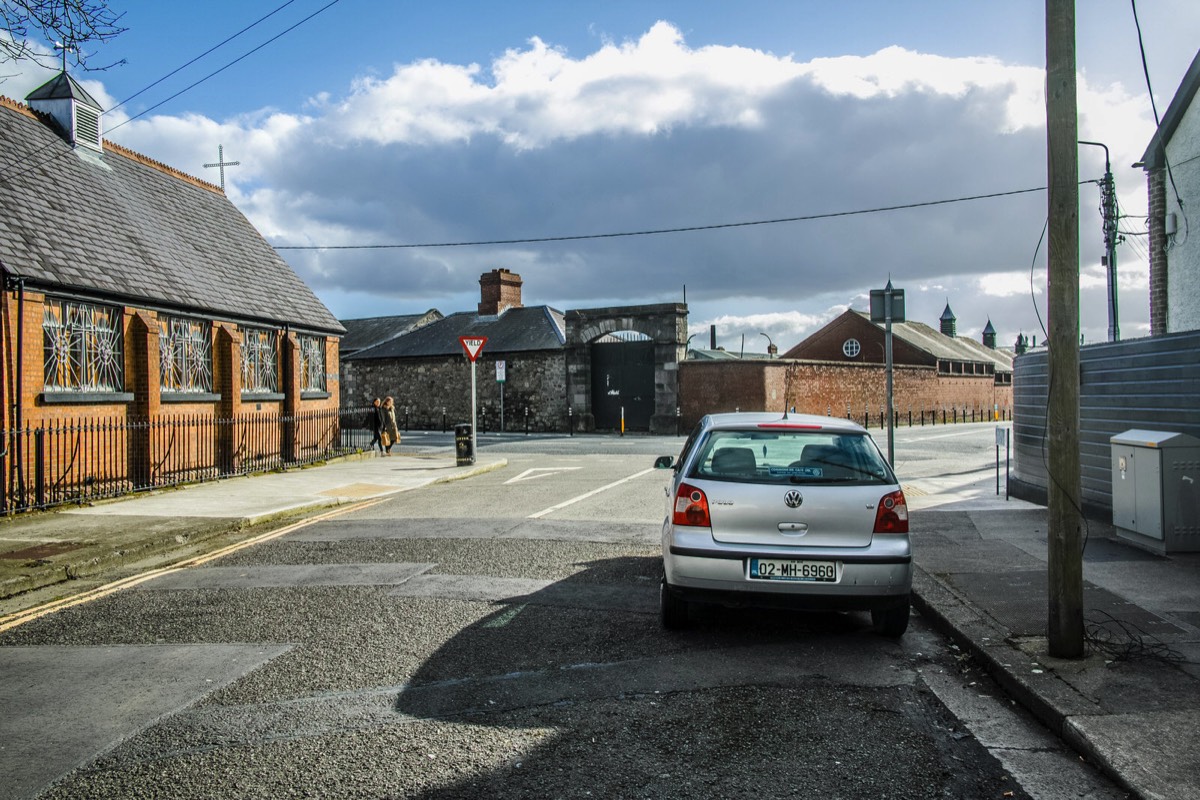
(1050,393)
(1157,121)
(687,229)
(202,55)
(216,72)
(60,154)
(1122,640)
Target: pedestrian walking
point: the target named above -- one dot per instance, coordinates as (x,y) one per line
(391,431)
(375,424)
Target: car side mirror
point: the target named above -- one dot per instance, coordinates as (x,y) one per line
(664,462)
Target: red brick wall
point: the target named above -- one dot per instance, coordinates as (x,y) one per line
(1156,190)
(814,387)
(171,437)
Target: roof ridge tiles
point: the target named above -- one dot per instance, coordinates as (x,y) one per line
(41,116)
(161,167)
(21,108)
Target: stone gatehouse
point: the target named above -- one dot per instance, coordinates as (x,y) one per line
(591,369)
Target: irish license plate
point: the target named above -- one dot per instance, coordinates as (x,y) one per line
(771,569)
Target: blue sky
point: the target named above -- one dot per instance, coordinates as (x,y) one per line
(417,122)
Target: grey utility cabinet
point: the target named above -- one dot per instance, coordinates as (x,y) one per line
(1156,489)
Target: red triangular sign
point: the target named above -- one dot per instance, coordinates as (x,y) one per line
(472,344)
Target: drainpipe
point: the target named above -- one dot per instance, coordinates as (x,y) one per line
(3,355)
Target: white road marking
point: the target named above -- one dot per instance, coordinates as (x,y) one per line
(940,436)
(528,475)
(586,495)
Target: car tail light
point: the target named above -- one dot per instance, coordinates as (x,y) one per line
(892,514)
(691,507)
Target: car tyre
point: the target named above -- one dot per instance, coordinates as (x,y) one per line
(673,609)
(892,621)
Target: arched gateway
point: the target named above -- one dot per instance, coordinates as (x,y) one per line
(625,357)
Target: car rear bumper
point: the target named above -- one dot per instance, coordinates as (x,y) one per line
(878,577)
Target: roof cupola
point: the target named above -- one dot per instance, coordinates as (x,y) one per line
(949,322)
(989,335)
(76,111)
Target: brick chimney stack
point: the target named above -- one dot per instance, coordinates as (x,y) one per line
(498,290)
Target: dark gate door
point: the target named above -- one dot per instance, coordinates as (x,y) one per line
(623,377)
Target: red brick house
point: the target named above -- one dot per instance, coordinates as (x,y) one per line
(839,371)
(139,298)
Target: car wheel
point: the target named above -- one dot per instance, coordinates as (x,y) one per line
(672,608)
(891,621)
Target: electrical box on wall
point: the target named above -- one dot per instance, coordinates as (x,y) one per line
(1156,489)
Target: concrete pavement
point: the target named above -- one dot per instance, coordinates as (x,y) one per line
(1131,706)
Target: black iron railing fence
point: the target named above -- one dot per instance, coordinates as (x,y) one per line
(78,460)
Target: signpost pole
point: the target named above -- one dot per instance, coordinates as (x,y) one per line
(887,306)
(473,346)
(474,416)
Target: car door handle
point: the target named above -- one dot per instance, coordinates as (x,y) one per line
(793,527)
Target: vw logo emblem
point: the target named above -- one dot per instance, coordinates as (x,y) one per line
(793,499)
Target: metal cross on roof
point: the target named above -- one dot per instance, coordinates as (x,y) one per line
(222,164)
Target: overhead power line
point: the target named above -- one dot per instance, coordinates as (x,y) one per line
(655,232)
(24,160)
(218,71)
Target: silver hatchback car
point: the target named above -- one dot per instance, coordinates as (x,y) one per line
(795,511)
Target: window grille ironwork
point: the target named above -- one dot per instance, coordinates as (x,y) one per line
(185,355)
(312,363)
(260,360)
(83,346)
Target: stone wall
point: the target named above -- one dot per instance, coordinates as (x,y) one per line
(664,324)
(436,392)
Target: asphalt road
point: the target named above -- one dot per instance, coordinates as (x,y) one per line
(498,637)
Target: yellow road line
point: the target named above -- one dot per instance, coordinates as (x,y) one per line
(11,621)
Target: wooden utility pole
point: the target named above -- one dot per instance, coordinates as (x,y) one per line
(1064,545)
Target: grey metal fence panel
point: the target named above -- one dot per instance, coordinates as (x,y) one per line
(1150,384)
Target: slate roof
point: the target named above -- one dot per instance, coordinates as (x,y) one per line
(943,347)
(1155,155)
(371,331)
(126,229)
(63,87)
(513,330)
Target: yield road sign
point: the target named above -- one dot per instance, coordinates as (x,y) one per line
(472,344)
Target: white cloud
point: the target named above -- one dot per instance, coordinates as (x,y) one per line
(651,133)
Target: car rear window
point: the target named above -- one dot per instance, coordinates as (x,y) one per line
(790,457)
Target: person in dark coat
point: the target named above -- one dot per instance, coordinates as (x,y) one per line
(375,423)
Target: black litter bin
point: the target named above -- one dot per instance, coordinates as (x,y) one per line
(464,453)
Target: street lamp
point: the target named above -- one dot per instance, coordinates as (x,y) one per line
(772,350)
(1108,203)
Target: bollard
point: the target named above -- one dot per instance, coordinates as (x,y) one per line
(526,420)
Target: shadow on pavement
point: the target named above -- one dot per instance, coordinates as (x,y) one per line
(738,703)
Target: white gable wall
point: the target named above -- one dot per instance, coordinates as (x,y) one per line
(1183,249)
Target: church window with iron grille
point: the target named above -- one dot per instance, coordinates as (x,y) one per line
(259,361)
(84,347)
(312,364)
(185,355)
